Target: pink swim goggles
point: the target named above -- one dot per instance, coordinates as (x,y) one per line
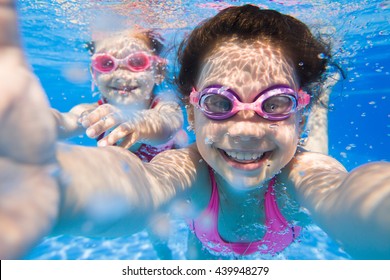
(135,62)
(275,103)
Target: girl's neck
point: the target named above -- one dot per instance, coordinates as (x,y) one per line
(241,213)
(239,195)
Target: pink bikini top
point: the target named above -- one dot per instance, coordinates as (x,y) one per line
(145,152)
(279,233)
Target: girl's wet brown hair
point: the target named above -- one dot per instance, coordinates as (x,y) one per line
(309,54)
(152,38)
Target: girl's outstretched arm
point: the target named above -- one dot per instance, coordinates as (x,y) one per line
(110,192)
(29,194)
(353,208)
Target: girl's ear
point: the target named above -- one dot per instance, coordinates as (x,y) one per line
(302,123)
(160,72)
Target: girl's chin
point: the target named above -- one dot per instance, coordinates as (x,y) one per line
(128,98)
(240,182)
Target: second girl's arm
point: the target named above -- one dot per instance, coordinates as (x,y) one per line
(159,124)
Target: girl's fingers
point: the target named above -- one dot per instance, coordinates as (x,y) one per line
(124,134)
(105,123)
(97,115)
(129,141)
(119,133)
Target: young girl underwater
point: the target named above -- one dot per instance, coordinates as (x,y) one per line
(126,68)
(239,187)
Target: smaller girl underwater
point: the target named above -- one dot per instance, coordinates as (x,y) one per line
(126,68)
(246,74)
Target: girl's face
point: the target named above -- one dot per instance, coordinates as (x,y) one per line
(123,86)
(246,149)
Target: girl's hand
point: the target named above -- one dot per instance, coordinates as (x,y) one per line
(108,117)
(125,136)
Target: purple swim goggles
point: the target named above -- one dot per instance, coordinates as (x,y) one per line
(275,103)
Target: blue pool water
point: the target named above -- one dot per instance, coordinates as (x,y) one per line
(54,32)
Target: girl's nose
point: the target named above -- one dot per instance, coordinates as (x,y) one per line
(246,114)
(246,133)
(244,139)
(119,81)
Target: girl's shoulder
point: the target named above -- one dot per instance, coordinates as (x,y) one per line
(306,169)
(313,162)
(309,168)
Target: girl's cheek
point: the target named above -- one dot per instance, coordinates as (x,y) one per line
(286,134)
(205,127)
(102,79)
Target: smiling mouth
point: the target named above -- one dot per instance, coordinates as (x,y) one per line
(124,90)
(245,160)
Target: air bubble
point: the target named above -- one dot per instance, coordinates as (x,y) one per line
(350,146)
(125,167)
(304,138)
(322,56)
(208,141)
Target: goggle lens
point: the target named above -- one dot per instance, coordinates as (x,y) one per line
(278,105)
(216,104)
(103,63)
(138,62)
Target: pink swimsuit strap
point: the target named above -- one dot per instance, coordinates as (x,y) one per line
(279,233)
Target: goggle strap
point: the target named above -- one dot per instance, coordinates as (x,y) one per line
(159,59)
(303,99)
(93,84)
(194,97)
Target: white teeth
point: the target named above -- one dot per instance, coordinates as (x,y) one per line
(244,155)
